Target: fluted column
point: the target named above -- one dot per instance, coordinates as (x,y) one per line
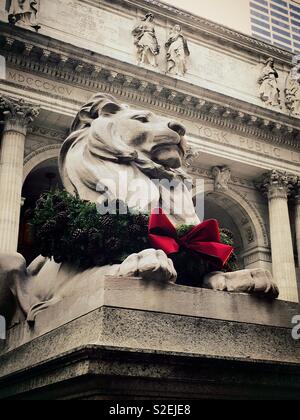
(278,185)
(17,115)
(297,218)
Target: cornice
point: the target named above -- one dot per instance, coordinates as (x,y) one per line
(65,63)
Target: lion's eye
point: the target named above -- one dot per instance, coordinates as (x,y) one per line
(141,118)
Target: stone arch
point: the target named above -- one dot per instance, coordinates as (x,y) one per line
(250,224)
(40,171)
(39,156)
(244,208)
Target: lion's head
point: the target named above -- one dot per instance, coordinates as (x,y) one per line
(112,131)
(108,138)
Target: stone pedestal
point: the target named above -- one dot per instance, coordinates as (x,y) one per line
(141,340)
(17,116)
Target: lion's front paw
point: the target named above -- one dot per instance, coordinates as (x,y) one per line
(149,265)
(264,283)
(256,281)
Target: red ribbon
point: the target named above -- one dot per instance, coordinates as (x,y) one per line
(203,239)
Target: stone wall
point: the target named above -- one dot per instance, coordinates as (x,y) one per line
(105,28)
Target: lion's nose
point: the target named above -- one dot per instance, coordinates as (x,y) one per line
(178,128)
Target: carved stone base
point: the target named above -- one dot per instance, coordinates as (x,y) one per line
(148,340)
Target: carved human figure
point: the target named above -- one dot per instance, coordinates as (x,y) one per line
(109,139)
(292,89)
(24,11)
(146,41)
(177,51)
(269,91)
(222,175)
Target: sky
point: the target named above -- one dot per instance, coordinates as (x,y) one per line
(232,13)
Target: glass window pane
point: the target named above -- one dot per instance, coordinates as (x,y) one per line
(281,39)
(259,15)
(260,23)
(256,6)
(260,31)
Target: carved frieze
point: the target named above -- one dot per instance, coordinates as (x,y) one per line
(177,52)
(45,68)
(24,12)
(146,41)
(292,90)
(222,177)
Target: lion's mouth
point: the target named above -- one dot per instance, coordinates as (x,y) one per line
(167,144)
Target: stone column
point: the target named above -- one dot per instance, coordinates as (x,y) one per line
(297,218)
(16,116)
(278,185)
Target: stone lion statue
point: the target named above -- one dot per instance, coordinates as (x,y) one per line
(108,139)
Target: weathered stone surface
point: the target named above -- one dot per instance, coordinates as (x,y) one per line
(96,372)
(140,332)
(159,297)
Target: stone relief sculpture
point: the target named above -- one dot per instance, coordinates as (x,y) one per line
(107,139)
(177,52)
(146,41)
(292,89)
(222,175)
(269,91)
(23,11)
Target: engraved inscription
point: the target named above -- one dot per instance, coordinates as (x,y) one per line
(40,84)
(232,139)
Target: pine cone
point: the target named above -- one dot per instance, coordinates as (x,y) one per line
(76,235)
(49,227)
(135,229)
(228,233)
(141,220)
(107,222)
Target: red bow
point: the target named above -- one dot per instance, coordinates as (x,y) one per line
(203,239)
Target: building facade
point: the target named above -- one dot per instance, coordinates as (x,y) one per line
(237,96)
(277,22)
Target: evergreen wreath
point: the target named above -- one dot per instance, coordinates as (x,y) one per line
(71,230)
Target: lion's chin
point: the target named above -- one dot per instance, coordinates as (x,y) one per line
(169,157)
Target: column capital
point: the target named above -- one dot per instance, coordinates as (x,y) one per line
(277,184)
(17,114)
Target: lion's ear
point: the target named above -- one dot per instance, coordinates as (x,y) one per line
(100,104)
(110,108)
